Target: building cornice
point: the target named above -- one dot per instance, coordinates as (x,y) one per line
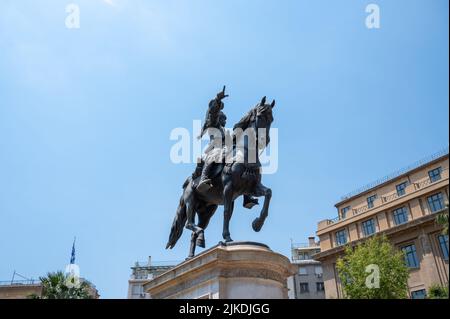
(428,219)
(383,207)
(391,180)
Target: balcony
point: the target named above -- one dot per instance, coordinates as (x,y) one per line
(362,209)
(388,198)
(412,224)
(332,221)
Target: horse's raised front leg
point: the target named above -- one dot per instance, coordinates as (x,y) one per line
(262,190)
(228,204)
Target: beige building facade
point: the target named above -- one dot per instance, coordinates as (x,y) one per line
(24,289)
(20,289)
(404,208)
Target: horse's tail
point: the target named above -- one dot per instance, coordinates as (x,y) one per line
(179,221)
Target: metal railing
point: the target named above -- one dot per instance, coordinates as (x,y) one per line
(391,197)
(393,175)
(20,282)
(299,245)
(164,263)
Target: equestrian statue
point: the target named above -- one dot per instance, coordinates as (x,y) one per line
(228,169)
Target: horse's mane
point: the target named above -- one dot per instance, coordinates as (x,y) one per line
(245,121)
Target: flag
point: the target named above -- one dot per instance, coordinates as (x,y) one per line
(72,257)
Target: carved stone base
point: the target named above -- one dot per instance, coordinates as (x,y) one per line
(244,270)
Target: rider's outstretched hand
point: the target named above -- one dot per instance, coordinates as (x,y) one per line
(222,95)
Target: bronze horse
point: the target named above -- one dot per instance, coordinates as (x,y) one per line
(242,176)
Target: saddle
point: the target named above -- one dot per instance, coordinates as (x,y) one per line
(216,170)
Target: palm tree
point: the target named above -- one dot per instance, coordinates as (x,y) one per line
(56,285)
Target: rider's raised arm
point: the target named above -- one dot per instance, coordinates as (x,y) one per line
(216,104)
(213,113)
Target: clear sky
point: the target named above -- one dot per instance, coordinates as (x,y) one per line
(86,114)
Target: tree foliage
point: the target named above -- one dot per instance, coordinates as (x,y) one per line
(373,270)
(442,220)
(438,292)
(57,285)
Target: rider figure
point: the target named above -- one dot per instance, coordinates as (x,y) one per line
(215,121)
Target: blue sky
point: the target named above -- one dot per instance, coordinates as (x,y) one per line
(86,114)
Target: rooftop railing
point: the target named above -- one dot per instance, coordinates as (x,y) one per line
(20,282)
(393,175)
(411,188)
(299,245)
(164,263)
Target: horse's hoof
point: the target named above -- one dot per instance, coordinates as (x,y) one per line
(189,258)
(257,225)
(227,239)
(201,243)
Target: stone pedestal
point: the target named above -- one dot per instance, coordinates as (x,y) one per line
(236,270)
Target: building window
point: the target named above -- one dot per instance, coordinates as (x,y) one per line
(137,289)
(371,200)
(304,287)
(302,271)
(344,212)
(303,256)
(436,202)
(341,237)
(368,227)
(435,174)
(410,256)
(401,189)
(400,216)
(320,286)
(318,271)
(443,243)
(419,294)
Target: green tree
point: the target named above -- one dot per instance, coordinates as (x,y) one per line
(57,285)
(442,220)
(438,292)
(373,270)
